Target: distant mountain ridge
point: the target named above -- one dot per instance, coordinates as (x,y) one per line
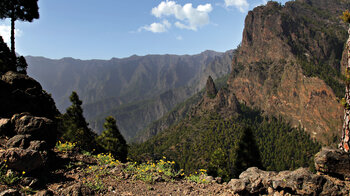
(108,87)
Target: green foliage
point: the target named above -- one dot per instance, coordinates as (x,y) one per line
(218,164)
(112,141)
(107,159)
(65,147)
(6,177)
(24,10)
(228,146)
(150,172)
(198,176)
(6,60)
(74,127)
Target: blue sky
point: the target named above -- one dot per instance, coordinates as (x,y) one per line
(102,29)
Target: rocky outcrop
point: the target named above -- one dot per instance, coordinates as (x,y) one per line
(28,129)
(299,182)
(224,103)
(210,88)
(333,162)
(332,178)
(20,93)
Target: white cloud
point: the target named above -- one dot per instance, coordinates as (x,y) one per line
(157,27)
(5,32)
(192,17)
(242,5)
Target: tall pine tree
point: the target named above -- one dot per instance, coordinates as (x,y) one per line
(24,10)
(112,141)
(74,126)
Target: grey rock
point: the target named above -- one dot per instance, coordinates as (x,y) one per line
(237,185)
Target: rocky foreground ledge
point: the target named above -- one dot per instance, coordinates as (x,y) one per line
(79,174)
(333,170)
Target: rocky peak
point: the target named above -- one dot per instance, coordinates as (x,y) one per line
(277,43)
(210,88)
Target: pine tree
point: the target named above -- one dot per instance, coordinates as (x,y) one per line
(75,128)
(24,10)
(112,141)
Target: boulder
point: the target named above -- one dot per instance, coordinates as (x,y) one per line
(40,128)
(333,162)
(23,159)
(300,181)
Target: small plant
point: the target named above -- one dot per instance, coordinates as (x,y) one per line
(86,153)
(107,159)
(65,147)
(96,184)
(153,171)
(198,176)
(6,177)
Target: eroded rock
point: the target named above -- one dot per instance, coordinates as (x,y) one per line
(333,162)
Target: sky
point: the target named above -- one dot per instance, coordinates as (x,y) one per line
(103,29)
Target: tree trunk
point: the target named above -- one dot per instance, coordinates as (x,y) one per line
(13,19)
(13,35)
(345,143)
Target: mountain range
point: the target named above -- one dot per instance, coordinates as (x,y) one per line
(136,90)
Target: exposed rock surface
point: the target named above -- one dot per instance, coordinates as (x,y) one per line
(298,182)
(333,162)
(210,88)
(269,72)
(28,127)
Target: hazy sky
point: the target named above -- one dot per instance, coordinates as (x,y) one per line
(102,29)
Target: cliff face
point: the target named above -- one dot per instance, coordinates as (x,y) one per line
(277,43)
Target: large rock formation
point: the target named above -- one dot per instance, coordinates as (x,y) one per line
(278,41)
(28,127)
